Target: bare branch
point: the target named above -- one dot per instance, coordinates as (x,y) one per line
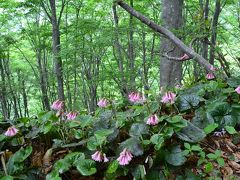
(64,2)
(45,10)
(185,57)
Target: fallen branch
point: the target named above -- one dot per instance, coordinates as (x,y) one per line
(189,51)
(185,57)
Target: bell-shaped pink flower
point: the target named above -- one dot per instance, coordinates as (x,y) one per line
(57,105)
(238,89)
(105,159)
(125,157)
(136,97)
(12,131)
(152,120)
(71,115)
(169,97)
(99,156)
(210,76)
(102,103)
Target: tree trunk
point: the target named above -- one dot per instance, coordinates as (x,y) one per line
(214,31)
(56,50)
(171,72)
(3,92)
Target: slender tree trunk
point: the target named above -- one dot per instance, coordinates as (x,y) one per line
(56,50)
(119,56)
(131,52)
(205,40)
(10,81)
(171,72)
(214,31)
(3,92)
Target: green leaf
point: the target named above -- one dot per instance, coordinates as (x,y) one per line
(221,162)
(158,140)
(137,129)
(196,148)
(154,106)
(86,120)
(16,161)
(212,156)
(175,119)
(191,133)
(210,128)
(2,137)
(54,175)
(74,123)
(62,166)
(188,101)
(47,127)
(168,132)
(103,132)
(230,130)
(218,153)
(7,178)
(113,167)
(92,143)
(208,167)
(139,172)
(175,156)
(101,135)
(186,152)
(187,145)
(86,167)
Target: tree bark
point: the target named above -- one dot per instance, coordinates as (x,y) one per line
(214,31)
(170,71)
(56,50)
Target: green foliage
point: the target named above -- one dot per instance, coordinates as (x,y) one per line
(15,165)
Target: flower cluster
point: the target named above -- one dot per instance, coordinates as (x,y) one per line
(57,105)
(102,103)
(136,97)
(99,157)
(152,120)
(169,97)
(125,157)
(11,131)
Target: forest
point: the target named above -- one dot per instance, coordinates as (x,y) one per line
(119,89)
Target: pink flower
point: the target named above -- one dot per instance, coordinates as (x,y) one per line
(185,57)
(169,97)
(99,156)
(238,89)
(12,131)
(57,105)
(152,120)
(125,157)
(105,159)
(136,97)
(102,103)
(210,76)
(72,115)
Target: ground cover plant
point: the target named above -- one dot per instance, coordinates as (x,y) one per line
(185,132)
